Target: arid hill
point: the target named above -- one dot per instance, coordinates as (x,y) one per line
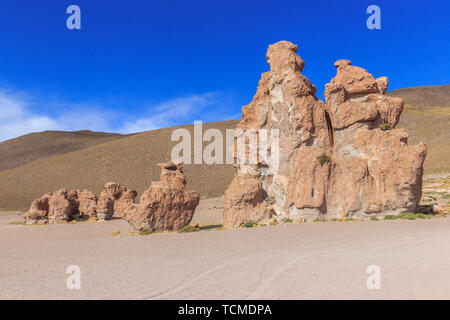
(34,146)
(438,96)
(426,117)
(130,161)
(44,162)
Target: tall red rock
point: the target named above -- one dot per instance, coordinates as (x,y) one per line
(334,160)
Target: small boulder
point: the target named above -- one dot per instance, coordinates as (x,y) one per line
(244,201)
(123,197)
(60,207)
(167,205)
(38,212)
(87,203)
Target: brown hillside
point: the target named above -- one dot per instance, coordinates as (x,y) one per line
(34,146)
(130,161)
(432,126)
(438,96)
(426,116)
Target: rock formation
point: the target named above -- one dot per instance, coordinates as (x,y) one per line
(168,204)
(336,160)
(121,198)
(85,203)
(56,207)
(38,212)
(244,201)
(62,206)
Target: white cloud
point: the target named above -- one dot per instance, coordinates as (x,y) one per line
(19,114)
(173,112)
(16,120)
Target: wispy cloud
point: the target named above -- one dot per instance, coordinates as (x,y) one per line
(21,114)
(211,106)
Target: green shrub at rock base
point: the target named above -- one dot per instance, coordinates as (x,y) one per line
(324,158)
(249,224)
(385,126)
(189,229)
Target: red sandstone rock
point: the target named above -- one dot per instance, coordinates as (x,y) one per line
(367,171)
(105,206)
(123,198)
(60,207)
(244,201)
(168,204)
(38,210)
(87,203)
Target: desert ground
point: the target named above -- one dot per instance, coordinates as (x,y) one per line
(326,260)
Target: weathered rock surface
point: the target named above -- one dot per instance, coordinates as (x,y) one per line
(105,206)
(62,205)
(244,201)
(123,198)
(57,207)
(86,203)
(168,204)
(334,160)
(38,212)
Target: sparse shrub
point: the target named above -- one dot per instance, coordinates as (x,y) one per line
(145,232)
(16,222)
(249,224)
(407,216)
(189,229)
(274,222)
(287,220)
(445,196)
(324,158)
(317,220)
(373,218)
(114,233)
(92,219)
(385,126)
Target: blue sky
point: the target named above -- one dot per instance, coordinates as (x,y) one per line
(141,64)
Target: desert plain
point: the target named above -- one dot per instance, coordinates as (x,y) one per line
(324,260)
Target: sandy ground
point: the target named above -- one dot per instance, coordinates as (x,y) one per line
(288,261)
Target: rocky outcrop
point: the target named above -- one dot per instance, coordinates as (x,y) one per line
(340,159)
(62,206)
(38,212)
(122,198)
(85,203)
(244,201)
(168,204)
